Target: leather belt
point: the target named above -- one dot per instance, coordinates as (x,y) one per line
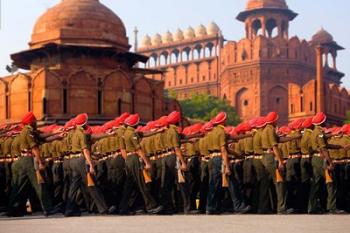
(340,161)
(74,156)
(258,157)
(27,154)
(215,154)
(317,155)
(249,157)
(268,151)
(305,156)
(130,153)
(294,156)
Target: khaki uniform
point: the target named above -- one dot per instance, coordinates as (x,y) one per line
(24,172)
(169,173)
(79,170)
(269,139)
(134,179)
(217,140)
(318,142)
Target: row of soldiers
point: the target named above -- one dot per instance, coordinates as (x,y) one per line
(159,168)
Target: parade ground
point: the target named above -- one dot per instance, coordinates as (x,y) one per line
(179,224)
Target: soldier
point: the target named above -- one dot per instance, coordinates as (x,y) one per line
(134,179)
(218,167)
(271,154)
(293,171)
(82,168)
(321,164)
(29,164)
(204,176)
(172,163)
(346,184)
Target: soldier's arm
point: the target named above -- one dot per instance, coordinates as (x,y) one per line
(288,139)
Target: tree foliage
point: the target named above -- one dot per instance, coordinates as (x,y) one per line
(205,107)
(347,121)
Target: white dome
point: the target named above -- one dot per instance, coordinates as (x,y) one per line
(179,35)
(189,33)
(201,31)
(157,39)
(213,28)
(146,41)
(167,37)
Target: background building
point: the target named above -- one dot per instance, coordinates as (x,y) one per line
(79,61)
(265,71)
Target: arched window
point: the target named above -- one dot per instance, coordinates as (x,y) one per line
(256,26)
(271,27)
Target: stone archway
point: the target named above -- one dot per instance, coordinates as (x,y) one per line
(278,101)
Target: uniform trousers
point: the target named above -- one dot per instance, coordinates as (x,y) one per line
(135,182)
(79,181)
(24,179)
(169,185)
(317,185)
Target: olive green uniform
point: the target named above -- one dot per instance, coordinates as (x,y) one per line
(134,179)
(269,139)
(318,142)
(79,142)
(24,171)
(169,172)
(293,173)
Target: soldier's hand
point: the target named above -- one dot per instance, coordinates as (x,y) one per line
(148,166)
(92,170)
(183,167)
(330,167)
(280,166)
(41,166)
(227,171)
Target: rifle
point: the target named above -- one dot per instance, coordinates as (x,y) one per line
(38,175)
(327,174)
(224,176)
(180,175)
(145,173)
(89,177)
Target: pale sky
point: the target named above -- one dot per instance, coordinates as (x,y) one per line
(158,16)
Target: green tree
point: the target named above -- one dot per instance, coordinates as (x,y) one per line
(347,121)
(205,107)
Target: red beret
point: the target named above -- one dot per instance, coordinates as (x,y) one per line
(220,118)
(346,129)
(260,122)
(336,131)
(88,130)
(272,117)
(81,119)
(319,118)
(252,122)
(162,122)
(196,128)
(245,127)
(108,125)
(307,123)
(28,118)
(123,117)
(151,125)
(228,129)
(296,124)
(186,130)
(207,127)
(132,120)
(284,130)
(174,117)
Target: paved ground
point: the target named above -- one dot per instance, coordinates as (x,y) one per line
(180,224)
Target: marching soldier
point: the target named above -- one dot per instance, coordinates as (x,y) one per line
(82,169)
(134,179)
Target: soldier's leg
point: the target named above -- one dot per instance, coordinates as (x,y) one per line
(248,180)
(317,182)
(261,201)
(57,172)
(235,189)
(168,182)
(66,180)
(270,166)
(306,174)
(332,190)
(347,186)
(215,185)
(204,176)
(193,179)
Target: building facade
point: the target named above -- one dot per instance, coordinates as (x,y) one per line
(79,61)
(267,70)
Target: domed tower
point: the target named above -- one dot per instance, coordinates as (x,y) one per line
(79,61)
(268,18)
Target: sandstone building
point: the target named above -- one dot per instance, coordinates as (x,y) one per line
(79,61)
(267,70)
